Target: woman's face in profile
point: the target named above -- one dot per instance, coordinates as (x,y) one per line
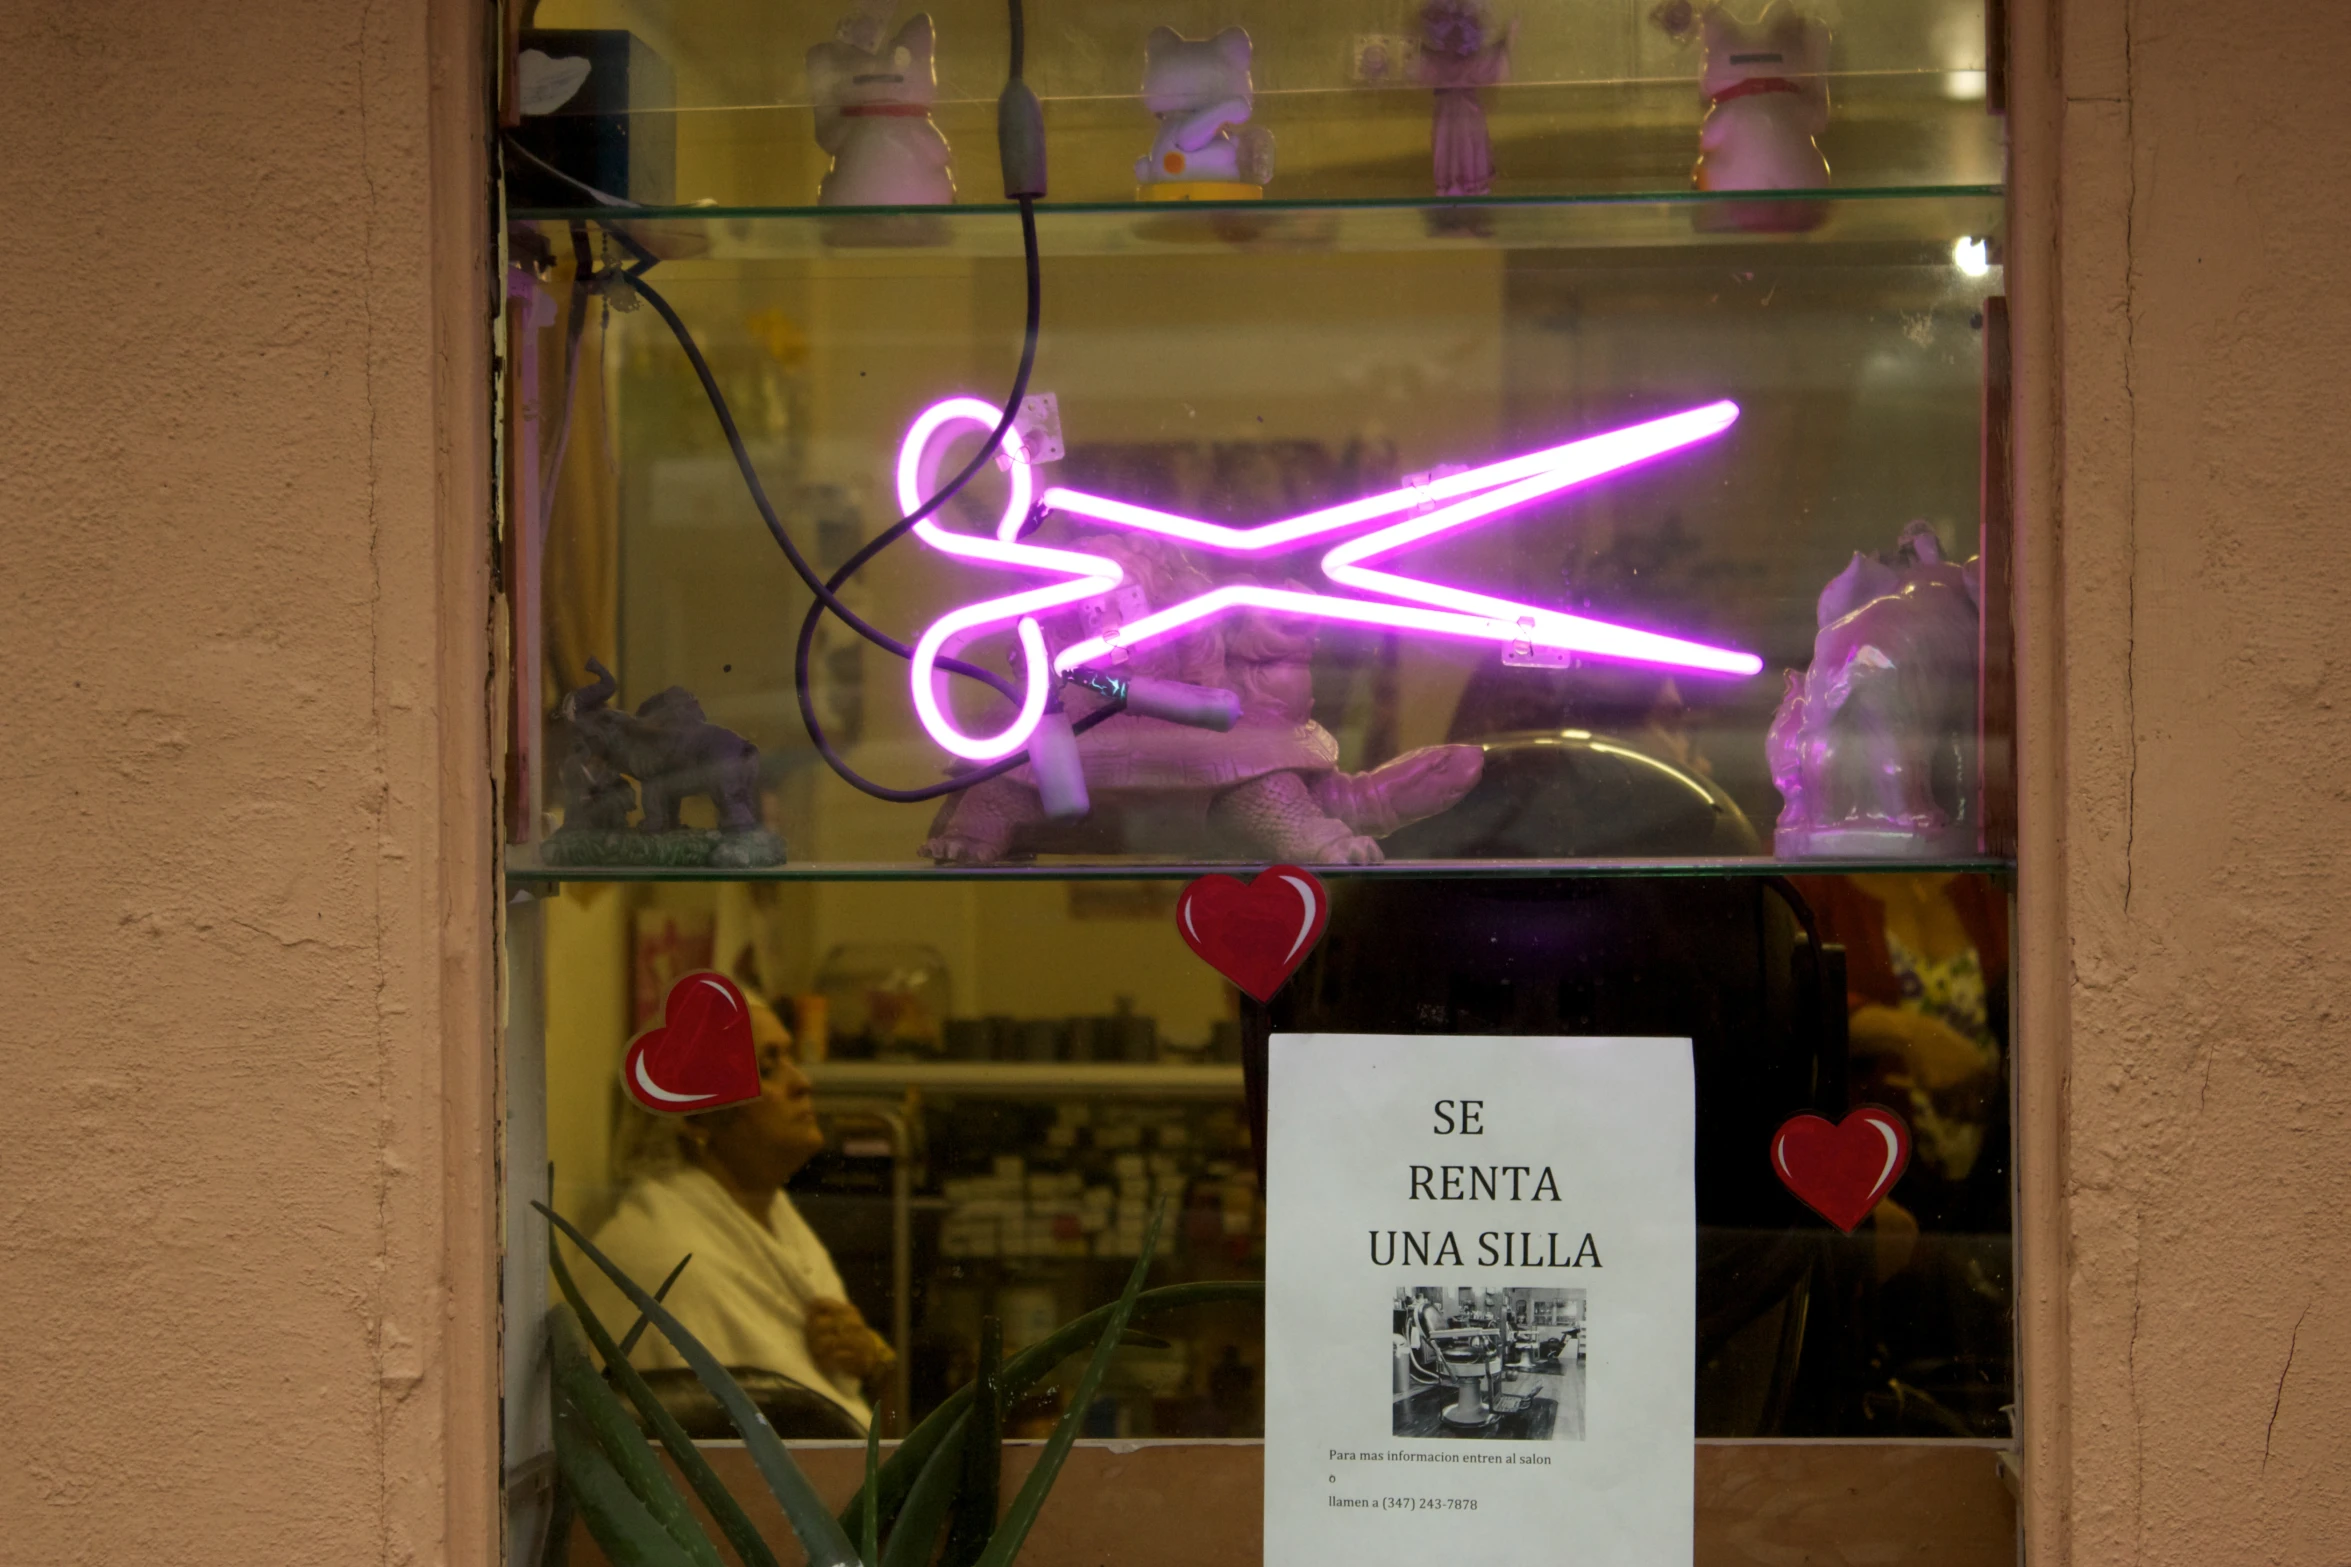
(779,1129)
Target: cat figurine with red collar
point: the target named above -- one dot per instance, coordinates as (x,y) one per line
(873,114)
(1767,97)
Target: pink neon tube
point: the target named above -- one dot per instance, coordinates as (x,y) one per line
(1426,511)
(1087,576)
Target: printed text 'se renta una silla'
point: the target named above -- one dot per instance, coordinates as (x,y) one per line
(1514,1183)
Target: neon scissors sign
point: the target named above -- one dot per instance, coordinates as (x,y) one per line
(1374,528)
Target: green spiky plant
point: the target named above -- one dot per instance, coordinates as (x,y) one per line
(942,1478)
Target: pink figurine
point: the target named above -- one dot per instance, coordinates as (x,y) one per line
(1268,790)
(1872,746)
(1456,60)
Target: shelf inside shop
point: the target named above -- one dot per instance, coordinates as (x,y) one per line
(1874,225)
(1027,1079)
(524,870)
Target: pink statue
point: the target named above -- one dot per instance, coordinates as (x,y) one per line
(1873,746)
(1456,60)
(1267,790)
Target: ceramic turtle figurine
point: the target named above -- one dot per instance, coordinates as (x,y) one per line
(1268,790)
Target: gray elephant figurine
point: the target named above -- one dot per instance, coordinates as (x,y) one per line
(1873,747)
(672,753)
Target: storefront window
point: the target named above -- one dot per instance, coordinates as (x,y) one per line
(1600,582)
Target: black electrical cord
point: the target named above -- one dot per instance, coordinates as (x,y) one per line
(804,651)
(826,591)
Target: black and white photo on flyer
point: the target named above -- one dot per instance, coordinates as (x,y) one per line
(1480,1299)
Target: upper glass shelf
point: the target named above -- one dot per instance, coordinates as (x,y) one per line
(525,868)
(1893,223)
(712,100)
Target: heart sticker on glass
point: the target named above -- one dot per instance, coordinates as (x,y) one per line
(1254,933)
(1843,1169)
(701,1056)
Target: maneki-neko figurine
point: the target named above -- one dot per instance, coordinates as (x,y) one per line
(1767,102)
(1206,149)
(873,97)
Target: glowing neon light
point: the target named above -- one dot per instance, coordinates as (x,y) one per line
(1425,511)
(1088,575)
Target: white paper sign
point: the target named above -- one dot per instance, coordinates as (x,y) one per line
(1481,1283)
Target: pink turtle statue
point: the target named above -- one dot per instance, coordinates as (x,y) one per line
(1873,746)
(1268,790)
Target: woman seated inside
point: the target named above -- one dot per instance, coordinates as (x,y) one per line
(761,1292)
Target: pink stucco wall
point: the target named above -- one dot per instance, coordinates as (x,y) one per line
(246,1282)
(2187,950)
(245,1106)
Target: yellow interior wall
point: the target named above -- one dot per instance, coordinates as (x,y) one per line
(587,937)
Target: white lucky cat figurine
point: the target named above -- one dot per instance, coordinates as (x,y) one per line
(873,105)
(1200,89)
(1768,97)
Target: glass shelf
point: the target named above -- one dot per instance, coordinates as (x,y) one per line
(1026,1080)
(523,870)
(1853,225)
(1242,381)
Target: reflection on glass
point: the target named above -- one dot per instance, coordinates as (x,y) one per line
(1089,1068)
(703,1194)
(1926,963)
(1241,378)
(1902,1328)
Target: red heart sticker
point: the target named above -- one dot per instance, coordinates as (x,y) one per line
(1841,1170)
(1254,933)
(701,1056)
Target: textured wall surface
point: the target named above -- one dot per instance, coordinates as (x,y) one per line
(2189,953)
(244,1091)
(244,1236)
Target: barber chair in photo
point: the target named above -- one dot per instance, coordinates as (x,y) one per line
(1475,1363)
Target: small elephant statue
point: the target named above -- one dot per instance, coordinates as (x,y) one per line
(672,753)
(1873,746)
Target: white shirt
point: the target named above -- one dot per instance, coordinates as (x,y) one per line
(744,1295)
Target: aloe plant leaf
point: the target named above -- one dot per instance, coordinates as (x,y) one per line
(917,1527)
(628,1340)
(974,1516)
(824,1540)
(733,1522)
(1024,1370)
(623,1444)
(1030,1500)
(629,1534)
